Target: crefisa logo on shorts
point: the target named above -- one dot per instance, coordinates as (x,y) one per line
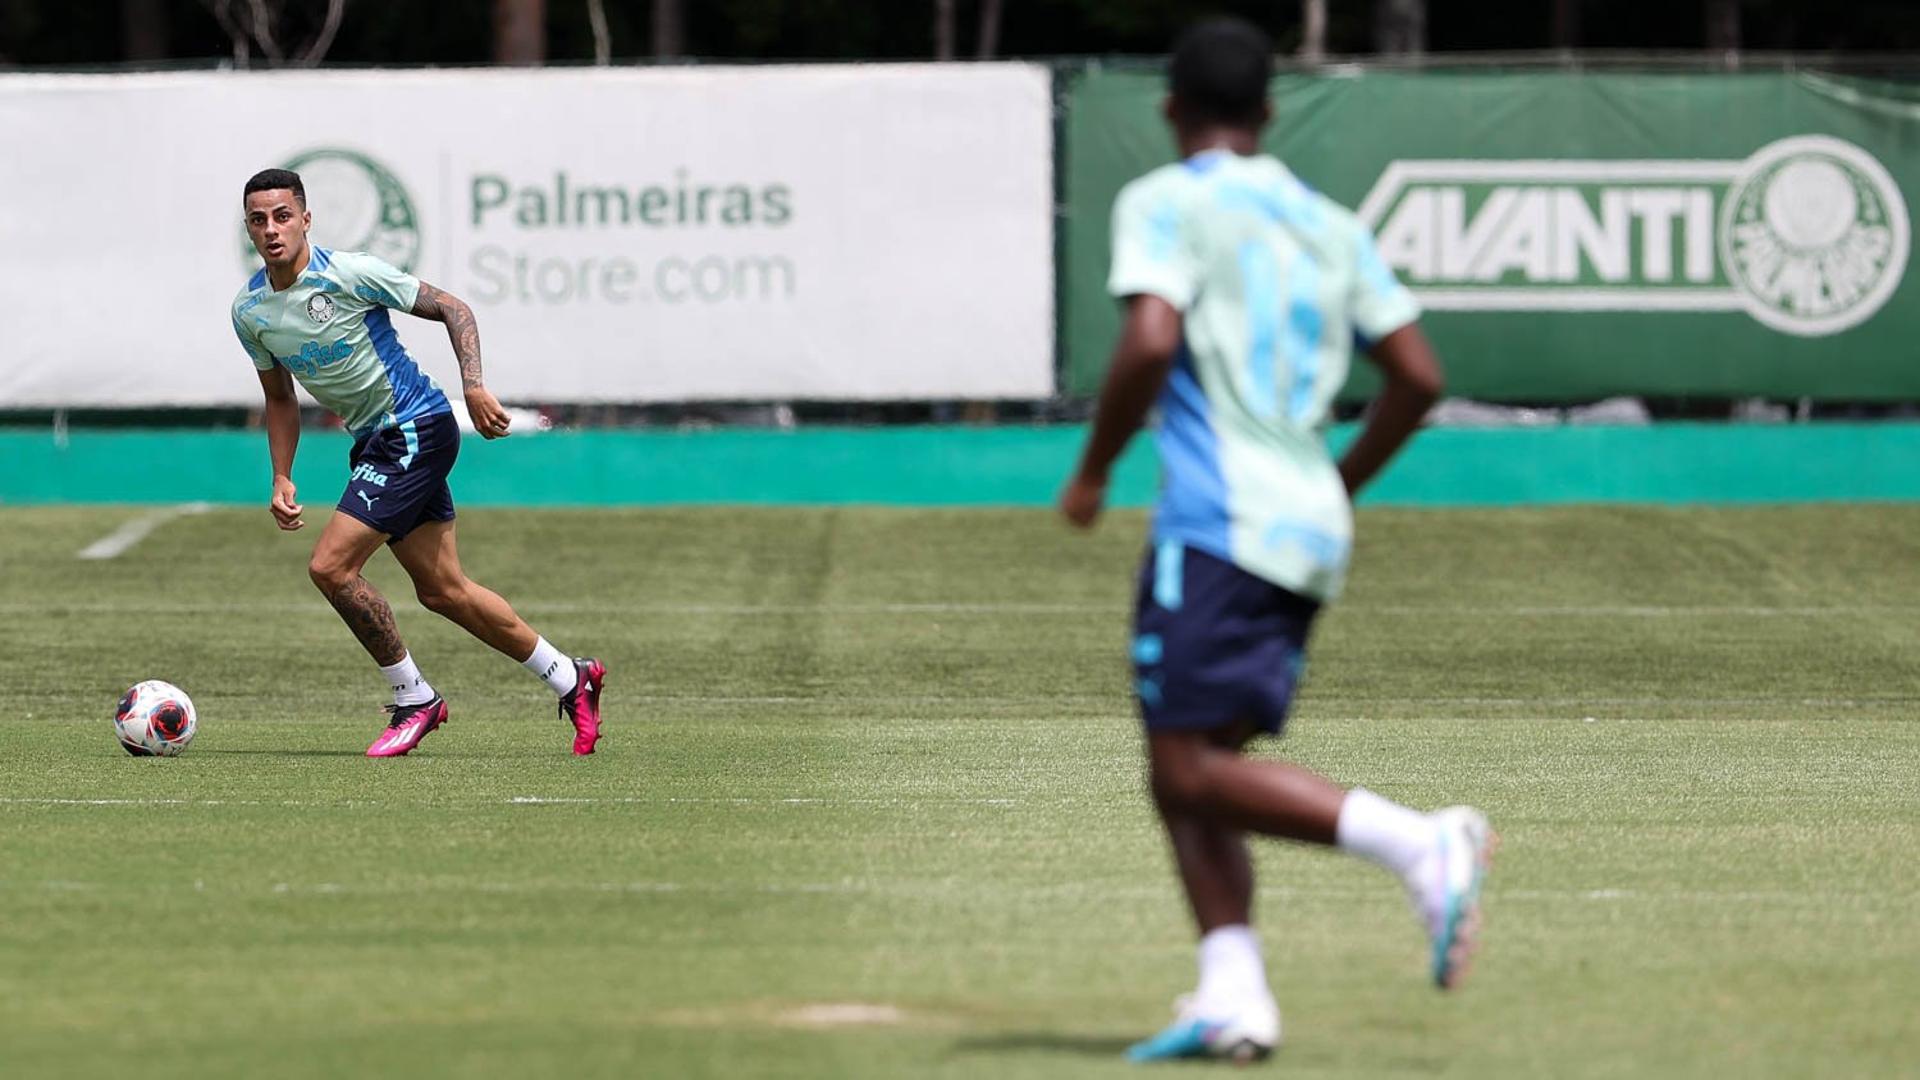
(1809,235)
(320,308)
(358,204)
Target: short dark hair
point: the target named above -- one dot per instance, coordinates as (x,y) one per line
(1220,71)
(276,180)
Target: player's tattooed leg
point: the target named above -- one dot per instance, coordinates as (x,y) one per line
(370,618)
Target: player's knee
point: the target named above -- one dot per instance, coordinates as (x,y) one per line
(329,574)
(440,598)
(1178,776)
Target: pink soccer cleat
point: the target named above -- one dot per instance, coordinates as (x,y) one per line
(581,706)
(409,725)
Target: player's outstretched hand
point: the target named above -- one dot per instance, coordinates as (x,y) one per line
(286,512)
(1082,499)
(489,418)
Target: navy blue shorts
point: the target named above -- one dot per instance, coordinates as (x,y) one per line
(1213,645)
(399,478)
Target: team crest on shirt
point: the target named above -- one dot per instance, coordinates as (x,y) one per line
(320,308)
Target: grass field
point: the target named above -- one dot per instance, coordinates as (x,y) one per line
(886,759)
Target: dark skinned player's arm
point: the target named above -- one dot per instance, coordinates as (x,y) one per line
(1413,384)
(1149,340)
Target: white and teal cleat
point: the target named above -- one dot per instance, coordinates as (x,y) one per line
(1248,1035)
(1467,843)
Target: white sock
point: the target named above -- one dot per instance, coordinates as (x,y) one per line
(1231,970)
(409,686)
(1385,832)
(552,665)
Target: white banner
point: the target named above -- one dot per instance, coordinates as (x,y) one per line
(872,232)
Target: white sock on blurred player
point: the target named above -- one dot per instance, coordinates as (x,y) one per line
(409,686)
(1232,974)
(553,666)
(1385,832)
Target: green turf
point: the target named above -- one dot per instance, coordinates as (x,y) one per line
(887,758)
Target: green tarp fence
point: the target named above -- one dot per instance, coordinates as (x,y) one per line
(1577,235)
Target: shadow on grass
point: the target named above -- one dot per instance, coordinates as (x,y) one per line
(1051,1042)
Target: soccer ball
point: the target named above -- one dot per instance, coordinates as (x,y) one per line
(155,718)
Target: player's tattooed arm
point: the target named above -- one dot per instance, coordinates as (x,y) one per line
(490,419)
(442,306)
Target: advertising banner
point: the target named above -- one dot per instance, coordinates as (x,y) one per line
(1574,236)
(624,235)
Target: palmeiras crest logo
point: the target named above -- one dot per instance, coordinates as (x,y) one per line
(320,308)
(1815,233)
(358,204)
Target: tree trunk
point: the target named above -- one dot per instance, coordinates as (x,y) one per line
(223,14)
(943,29)
(316,49)
(1566,24)
(1400,26)
(143,29)
(1723,25)
(602,40)
(520,32)
(1313,30)
(989,29)
(669,29)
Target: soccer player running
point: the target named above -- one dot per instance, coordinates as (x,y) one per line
(1244,291)
(322,316)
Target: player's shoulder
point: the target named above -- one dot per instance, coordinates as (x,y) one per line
(1168,184)
(1272,174)
(1340,220)
(361,273)
(1332,214)
(1338,216)
(336,264)
(252,292)
(350,264)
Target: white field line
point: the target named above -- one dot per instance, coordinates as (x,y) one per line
(1604,701)
(1355,709)
(847,887)
(190,607)
(842,1014)
(559,800)
(731,800)
(1305,710)
(116,543)
(36,801)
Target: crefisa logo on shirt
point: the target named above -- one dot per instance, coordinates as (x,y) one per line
(320,308)
(1809,236)
(358,204)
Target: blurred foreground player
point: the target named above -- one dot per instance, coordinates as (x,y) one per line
(322,315)
(1244,292)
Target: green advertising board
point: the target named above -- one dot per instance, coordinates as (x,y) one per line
(1572,235)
